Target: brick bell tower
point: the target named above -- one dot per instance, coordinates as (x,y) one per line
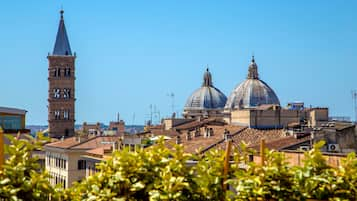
(61,79)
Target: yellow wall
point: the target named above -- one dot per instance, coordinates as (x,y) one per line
(273,118)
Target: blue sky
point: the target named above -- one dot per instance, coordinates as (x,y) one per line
(134,53)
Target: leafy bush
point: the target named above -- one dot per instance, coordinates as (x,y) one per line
(273,180)
(315,179)
(20,178)
(158,173)
(154,174)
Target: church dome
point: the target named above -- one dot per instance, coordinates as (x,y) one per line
(207,97)
(252,92)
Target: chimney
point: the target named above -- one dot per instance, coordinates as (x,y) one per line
(226,134)
(188,136)
(78,138)
(210,133)
(205,133)
(197,132)
(178,139)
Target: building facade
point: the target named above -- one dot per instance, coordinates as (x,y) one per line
(63,159)
(61,89)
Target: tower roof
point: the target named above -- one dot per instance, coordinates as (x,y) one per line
(62,46)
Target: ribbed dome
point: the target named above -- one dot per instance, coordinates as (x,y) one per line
(252,92)
(206,97)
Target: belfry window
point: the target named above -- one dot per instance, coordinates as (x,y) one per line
(57,72)
(66,93)
(57,114)
(66,114)
(67,72)
(56,93)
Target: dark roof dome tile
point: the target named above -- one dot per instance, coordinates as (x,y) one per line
(206,97)
(252,92)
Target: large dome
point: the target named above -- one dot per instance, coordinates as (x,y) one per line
(252,92)
(207,97)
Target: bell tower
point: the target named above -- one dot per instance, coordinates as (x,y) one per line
(61,91)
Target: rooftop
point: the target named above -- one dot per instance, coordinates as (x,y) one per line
(9,110)
(83,142)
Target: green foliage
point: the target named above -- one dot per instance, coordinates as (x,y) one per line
(159,173)
(20,178)
(208,175)
(154,174)
(271,181)
(315,179)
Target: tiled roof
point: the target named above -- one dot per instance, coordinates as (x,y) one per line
(200,142)
(100,151)
(253,136)
(165,132)
(196,124)
(281,143)
(12,110)
(84,143)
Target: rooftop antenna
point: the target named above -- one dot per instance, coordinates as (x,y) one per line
(354,99)
(172,96)
(156,115)
(133,119)
(118,117)
(151,113)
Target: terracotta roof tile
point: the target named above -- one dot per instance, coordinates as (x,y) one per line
(201,143)
(252,136)
(84,143)
(281,143)
(100,151)
(195,124)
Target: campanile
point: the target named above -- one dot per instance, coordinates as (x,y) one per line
(61,86)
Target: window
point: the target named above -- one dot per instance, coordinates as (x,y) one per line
(57,72)
(66,93)
(56,93)
(67,72)
(81,165)
(57,114)
(66,114)
(10,122)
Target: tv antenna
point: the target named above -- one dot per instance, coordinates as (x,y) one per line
(172,96)
(354,99)
(133,119)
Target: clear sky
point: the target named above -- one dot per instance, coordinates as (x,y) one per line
(131,54)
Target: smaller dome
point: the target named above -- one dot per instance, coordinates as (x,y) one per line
(206,97)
